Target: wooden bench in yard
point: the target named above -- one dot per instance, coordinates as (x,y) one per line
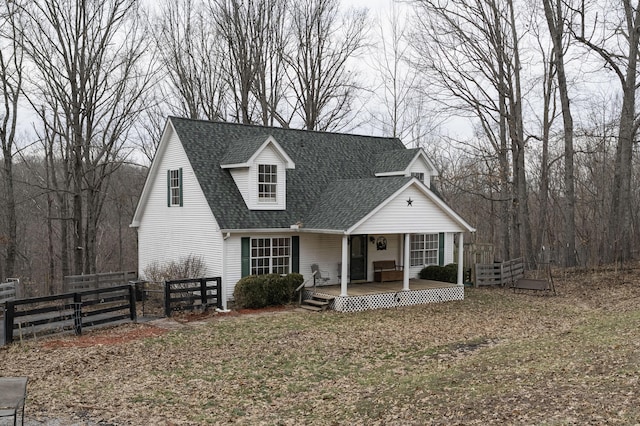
(387,270)
(535,284)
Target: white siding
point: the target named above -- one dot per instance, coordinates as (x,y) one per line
(241,178)
(448,248)
(423,216)
(420,166)
(322,249)
(393,251)
(172,233)
(233,264)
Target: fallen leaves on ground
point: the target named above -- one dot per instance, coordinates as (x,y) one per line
(497,357)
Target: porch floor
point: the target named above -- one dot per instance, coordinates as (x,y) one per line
(368,288)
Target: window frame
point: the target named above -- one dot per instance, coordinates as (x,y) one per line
(174,188)
(267,183)
(424,249)
(418,175)
(270,255)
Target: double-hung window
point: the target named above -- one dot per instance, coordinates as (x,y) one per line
(267,183)
(270,256)
(424,249)
(174,187)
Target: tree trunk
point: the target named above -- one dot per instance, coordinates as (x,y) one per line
(555,22)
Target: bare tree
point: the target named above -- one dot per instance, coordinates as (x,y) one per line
(11,79)
(617,42)
(323,41)
(469,52)
(192,56)
(92,76)
(269,40)
(399,109)
(555,14)
(235,21)
(254,34)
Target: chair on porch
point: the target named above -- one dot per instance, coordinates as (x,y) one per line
(319,277)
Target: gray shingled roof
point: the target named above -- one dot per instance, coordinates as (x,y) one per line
(394,161)
(347,201)
(332,186)
(242,150)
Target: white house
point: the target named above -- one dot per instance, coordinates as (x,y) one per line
(253,200)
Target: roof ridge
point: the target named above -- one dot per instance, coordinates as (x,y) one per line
(231,123)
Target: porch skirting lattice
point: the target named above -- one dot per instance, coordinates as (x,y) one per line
(392,299)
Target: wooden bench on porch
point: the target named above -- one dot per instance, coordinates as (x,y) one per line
(387,270)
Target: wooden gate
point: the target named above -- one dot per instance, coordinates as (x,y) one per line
(499,273)
(187,294)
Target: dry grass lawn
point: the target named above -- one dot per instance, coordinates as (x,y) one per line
(494,358)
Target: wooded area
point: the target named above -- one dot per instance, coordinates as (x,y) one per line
(527,108)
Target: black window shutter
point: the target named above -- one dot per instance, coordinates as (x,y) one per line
(168,188)
(295,254)
(245,255)
(441,249)
(180,177)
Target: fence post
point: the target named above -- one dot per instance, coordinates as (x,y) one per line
(9,315)
(219,292)
(77,313)
(132,302)
(167,299)
(203,292)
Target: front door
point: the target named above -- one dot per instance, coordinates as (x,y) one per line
(358,264)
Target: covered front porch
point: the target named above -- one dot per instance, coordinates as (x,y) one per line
(374,295)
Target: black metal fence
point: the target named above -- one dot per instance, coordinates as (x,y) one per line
(188,294)
(68,312)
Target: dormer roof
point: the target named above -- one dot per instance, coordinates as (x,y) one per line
(398,162)
(242,152)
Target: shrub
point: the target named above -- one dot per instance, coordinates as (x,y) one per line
(448,273)
(186,267)
(250,292)
(258,291)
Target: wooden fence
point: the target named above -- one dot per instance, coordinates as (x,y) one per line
(499,273)
(73,283)
(63,313)
(187,294)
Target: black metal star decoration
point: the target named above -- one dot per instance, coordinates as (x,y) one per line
(410,202)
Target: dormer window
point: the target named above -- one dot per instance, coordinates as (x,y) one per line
(267,183)
(259,167)
(418,175)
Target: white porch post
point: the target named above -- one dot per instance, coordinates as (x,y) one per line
(406,253)
(460,258)
(224,273)
(345,266)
